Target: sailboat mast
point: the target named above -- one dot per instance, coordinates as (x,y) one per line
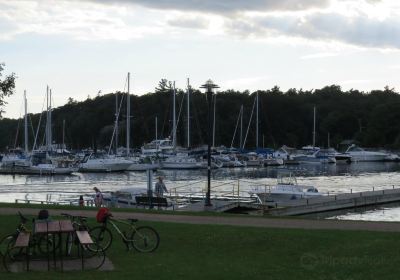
(241,127)
(188,114)
(128,116)
(50,124)
(174,118)
(116,122)
(26,123)
(156,128)
(257,121)
(313,142)
(63,136)
(47,119)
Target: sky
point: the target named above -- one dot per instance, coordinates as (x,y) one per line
(83,48)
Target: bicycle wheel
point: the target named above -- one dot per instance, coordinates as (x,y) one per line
(5,243)
(102,238)
(68,243)
(48,241)
(145,239)
(14,259)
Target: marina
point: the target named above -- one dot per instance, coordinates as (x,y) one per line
(354,185)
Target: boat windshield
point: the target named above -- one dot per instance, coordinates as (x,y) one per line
(287,179)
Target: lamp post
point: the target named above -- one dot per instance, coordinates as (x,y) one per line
(209,86)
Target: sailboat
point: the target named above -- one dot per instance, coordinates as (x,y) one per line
(38,162)
(97,162)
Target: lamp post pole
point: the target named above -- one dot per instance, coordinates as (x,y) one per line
(209,86)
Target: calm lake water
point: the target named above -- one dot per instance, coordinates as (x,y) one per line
(333,178)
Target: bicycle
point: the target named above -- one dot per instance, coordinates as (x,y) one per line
(143,238)
(78,223)
(11,254)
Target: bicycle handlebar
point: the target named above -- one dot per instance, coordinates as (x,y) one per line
(23,219)
(72,216)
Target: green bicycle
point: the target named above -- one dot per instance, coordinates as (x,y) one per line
(143,238)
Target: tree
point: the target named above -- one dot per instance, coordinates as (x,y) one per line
(164,86)
(7,85)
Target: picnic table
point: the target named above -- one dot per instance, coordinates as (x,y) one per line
(52,232)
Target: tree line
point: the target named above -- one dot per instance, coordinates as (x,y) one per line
(285,117)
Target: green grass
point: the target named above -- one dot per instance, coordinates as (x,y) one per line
(228,252)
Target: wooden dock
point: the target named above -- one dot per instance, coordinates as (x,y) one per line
(218,205)
(333,202)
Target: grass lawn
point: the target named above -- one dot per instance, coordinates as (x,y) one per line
(228,252)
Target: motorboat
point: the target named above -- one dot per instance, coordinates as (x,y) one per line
(340,157)
(285,190)
(155,147)
(124,197)
(315,155)
(359,154)
(127,197)
(103,163)
(228,160)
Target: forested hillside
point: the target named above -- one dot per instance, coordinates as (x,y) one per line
(372,118)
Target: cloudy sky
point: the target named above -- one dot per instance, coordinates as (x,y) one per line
(80,47)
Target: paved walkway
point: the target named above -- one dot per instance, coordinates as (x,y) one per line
(287,223)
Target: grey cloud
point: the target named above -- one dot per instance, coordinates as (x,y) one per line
(361,31)
(227,6)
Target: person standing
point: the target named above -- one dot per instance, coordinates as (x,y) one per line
(160,188)
(81,201)
(98,199)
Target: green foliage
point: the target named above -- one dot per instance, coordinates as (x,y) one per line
(7,85)
(371,118)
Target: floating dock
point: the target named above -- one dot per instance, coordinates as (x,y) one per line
(333,202)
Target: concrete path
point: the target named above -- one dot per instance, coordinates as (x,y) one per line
(233,221)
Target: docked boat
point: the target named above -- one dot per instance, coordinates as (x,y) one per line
(358,154)
(286,189)
(155,147)
(37,164)
(103,163)
(315,155)
(123,198)
(143,164)
(181,162)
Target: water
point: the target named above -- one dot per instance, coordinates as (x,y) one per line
(339,178)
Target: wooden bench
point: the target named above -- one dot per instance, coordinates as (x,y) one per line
(84,237)
(84,240)
(23,242)
(154,201)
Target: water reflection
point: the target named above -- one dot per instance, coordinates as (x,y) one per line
(333,178)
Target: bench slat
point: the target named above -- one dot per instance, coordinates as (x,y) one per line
(22,240)
(84,237)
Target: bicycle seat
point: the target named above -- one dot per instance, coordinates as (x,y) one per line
(132,220)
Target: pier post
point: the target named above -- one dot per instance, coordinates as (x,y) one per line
(351,190)
(373,189)
(150,186)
